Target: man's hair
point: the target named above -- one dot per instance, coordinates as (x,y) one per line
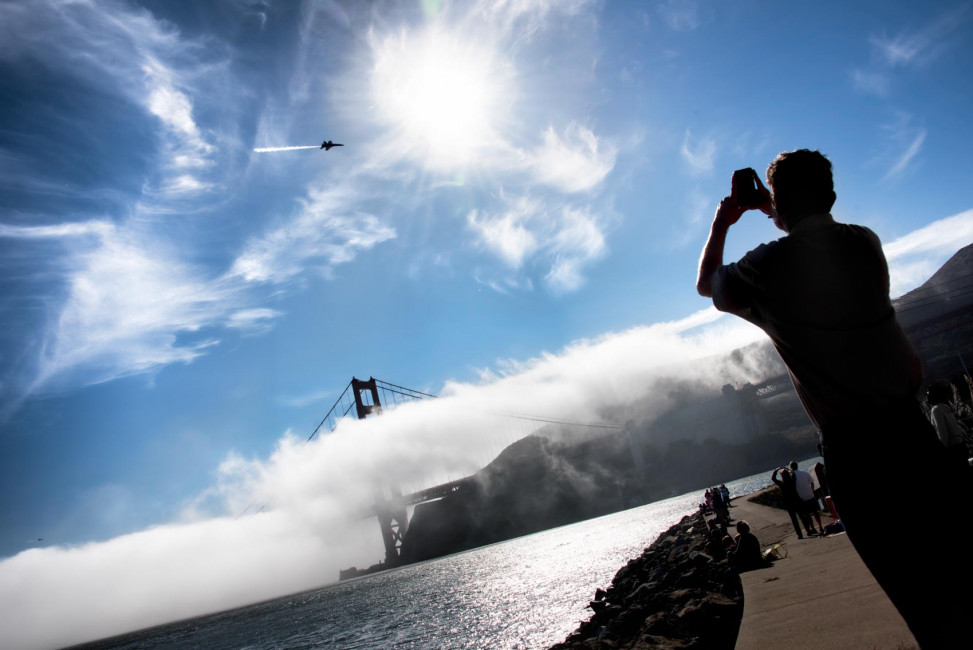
(793,464)
(804,177)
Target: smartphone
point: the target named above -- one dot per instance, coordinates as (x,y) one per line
(745,182)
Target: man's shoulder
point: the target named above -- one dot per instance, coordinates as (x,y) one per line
(825,225)
(766,251)
(863,232)
(757,261)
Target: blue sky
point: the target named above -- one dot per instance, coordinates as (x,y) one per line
(514,221)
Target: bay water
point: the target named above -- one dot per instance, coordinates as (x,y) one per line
(528,592)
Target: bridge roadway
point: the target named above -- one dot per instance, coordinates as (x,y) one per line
(422,496)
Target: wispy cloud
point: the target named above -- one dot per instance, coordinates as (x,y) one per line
(574,162)
(524,18)
(679,15)
(905,140)
(125,51)
(127,300)
(914,257)
(327,231)
(939,237)
(133,304)
(699,153)
(508,234)
(921,45)
(911,48)
(57,231)
(910,152)
(187,150)
(871,82)
(565,239)
(579,241)
(256,320)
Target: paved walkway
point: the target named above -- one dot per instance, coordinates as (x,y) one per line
(819,596)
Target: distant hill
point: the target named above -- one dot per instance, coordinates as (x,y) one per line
(950,289)
(938,319)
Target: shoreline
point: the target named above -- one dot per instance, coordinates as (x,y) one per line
(673,595)
(818,594)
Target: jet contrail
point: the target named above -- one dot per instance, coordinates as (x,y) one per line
(269,149)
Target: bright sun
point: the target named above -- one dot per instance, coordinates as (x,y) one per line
(438,93)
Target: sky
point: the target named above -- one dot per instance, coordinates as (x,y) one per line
(513,223)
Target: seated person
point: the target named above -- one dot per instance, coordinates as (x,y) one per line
(746,554)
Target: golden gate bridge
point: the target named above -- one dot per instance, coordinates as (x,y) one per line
(365,398)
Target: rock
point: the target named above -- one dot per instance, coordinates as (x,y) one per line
(668,597)
(643,592)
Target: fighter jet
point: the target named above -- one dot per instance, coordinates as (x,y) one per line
(327,144)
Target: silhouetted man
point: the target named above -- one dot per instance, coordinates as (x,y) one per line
(822,295)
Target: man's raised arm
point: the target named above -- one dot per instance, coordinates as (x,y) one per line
(727,214)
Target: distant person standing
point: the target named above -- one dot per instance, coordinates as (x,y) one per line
(720,507)
(805,490)
(821,293)
(792,502)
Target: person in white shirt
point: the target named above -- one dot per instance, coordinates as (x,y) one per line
(805,490)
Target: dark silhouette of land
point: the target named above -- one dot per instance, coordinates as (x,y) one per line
(536,484)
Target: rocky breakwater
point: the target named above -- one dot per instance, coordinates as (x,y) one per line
(674,595)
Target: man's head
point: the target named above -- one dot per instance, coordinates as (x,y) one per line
(801,184)
(793,465)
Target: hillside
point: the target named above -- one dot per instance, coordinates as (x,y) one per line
(938,319)
(950,289)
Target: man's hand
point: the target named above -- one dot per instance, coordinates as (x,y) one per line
(727,214)
(765,206)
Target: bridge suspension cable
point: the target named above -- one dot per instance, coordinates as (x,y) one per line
(358,394)
(346,402)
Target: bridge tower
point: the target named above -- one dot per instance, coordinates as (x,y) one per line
(393,517)
(366,406)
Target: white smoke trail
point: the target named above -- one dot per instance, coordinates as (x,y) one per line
(270,149)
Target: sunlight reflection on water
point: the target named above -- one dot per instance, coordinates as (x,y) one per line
(528,592)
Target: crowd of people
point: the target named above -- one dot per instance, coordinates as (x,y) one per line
(741,551)
(717,502)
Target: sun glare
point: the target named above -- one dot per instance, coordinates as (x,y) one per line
(438,93)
